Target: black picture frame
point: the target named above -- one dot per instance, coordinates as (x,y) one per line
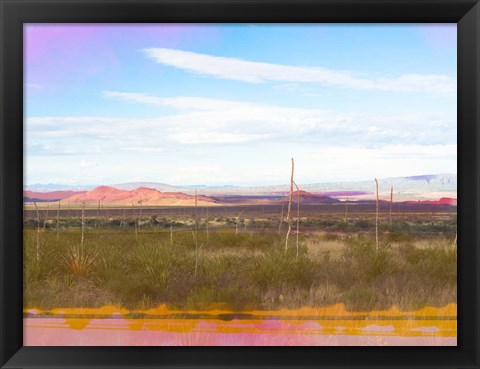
(14,13)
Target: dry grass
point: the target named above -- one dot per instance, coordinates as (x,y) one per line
(320,248)
(238,271)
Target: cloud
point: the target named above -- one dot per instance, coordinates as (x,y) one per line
(88,164)
(181,103)
(202,120)
(229,134)
(141,149)
(258,72)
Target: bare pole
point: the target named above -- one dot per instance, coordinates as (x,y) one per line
(140,212)
(135,222)
(46,216)
(289,207)
(281,220)
(298,216)
(196,235)
(58,215)
(237,222)
(37,249)
(346,209)
(104,214)
(376,217)
(391,204)
(98,214)
(171,235)
(207,222)
(83,223)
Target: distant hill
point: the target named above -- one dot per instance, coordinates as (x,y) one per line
(48,196)
(140,196)
(442,201)
(421,187)
(310,198)
(305,198)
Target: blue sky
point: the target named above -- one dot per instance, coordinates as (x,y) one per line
(231,104)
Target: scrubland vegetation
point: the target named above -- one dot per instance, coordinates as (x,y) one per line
(242,263)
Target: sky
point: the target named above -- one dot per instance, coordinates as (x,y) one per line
(224,104)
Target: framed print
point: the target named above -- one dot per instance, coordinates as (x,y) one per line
(240,184)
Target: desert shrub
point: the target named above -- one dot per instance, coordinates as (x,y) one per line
(363,261)
(235,271)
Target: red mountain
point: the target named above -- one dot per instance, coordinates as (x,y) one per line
(442,201)
(140,196)
(50,196)
(310,198)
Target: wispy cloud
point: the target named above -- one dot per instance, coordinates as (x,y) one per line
(260,72)
(222,136)
(88,164)
(181,103)
(201,120)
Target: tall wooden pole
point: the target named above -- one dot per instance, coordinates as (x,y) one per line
(196,235)
(298,217)
(37,248)
(289,207)
(346,209)
(376,217)
(83,223)
(391,204)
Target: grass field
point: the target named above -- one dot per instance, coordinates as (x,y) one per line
(140,263)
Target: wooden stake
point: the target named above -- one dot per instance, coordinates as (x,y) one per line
(237,221)
(83,223)
(298,216)
(58,215)
(376,217)
(207,222)
(140,213)
(281,220)
(289,207)
(37,248)
(346,210)
(135,222)
(391,204)
(196,235)
(46,216)
(98,214)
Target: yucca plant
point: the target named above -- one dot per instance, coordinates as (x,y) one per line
(78,261)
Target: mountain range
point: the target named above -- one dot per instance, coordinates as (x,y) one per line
(412,188)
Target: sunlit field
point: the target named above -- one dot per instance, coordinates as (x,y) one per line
(239,263)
